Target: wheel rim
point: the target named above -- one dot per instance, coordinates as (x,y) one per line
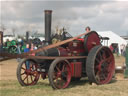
(28,73)
(104,65)
(62,75)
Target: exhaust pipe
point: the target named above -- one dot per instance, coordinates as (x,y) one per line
(27,36)
(48,19)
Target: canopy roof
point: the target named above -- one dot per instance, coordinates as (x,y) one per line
(113,38)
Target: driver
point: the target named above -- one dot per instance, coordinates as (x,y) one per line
(87,29)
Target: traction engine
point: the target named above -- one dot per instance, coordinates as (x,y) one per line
(98,62)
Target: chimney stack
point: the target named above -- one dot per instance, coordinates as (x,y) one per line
(27,36)
(48,19)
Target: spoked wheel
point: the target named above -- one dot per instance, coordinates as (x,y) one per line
(100,65)
(12,49)
(59,74)
(27,72)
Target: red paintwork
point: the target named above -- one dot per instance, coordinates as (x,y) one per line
(62,68)
(71,49)
(81,39)
(27,73)
(106,58)
(76,69)
(63,51)
(93,37)
(76,47)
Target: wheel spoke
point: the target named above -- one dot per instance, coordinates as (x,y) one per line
(60,83)
(104,55)
(22,73)
(108,59)
(100,55)
(97,60)
(31,77)
(57,69)
(63,67)
(23,68)
(25,77)
(103,77)
(56,77)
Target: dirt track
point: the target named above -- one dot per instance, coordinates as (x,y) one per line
(8,70)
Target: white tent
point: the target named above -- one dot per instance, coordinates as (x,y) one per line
(113,38)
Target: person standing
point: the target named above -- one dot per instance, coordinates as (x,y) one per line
(111,48)
(88,29)
(18,51)
(117,50)
(124,50)
(121,49)
(27,49)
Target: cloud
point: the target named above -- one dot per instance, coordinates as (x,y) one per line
(100,15)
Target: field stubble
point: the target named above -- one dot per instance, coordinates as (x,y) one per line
(9,85)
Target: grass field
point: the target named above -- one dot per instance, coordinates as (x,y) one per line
(81,88)
(9,85)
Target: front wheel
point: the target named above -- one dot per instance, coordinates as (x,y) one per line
(27,72)
(59,74)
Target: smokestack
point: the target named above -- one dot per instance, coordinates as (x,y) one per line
(48,19)
(27,36)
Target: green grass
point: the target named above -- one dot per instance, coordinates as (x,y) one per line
(81,88)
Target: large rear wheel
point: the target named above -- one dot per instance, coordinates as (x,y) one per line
(59,74)
(100,65)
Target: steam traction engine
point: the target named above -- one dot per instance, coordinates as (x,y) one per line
(82,57)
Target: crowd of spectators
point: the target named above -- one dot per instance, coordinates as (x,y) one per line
(116,49)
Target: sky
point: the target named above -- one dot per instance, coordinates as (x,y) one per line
(20,16)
